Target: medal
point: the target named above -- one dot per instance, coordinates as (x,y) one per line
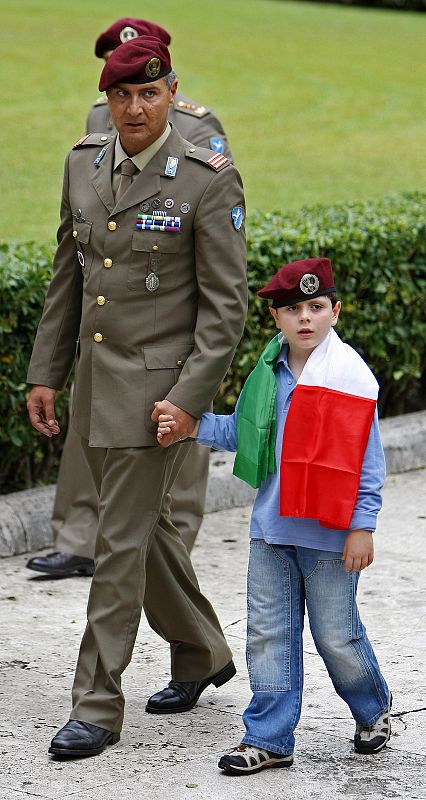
(152,282)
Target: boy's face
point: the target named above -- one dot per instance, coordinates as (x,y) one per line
(305,325)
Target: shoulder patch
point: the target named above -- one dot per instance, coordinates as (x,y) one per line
(101,101)
(194,110)
(215,161)
(92,140)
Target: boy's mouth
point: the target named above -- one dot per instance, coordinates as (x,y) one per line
(305,331)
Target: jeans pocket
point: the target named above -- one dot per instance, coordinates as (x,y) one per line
(268,619)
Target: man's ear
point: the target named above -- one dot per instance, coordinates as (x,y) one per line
(173,90)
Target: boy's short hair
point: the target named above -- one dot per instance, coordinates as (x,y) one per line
(333,297)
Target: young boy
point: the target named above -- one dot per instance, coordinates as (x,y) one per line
(309,406)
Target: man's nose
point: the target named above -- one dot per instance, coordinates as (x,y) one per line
(135,106)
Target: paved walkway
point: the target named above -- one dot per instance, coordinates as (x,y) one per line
(175,757)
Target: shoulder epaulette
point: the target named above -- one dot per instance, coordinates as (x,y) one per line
(193,109)
(215,161)
(101,101)
(93,140)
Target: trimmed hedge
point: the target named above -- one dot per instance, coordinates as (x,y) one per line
(378,250)
(26,458)
(398,5)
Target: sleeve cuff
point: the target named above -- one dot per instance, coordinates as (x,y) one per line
(205,433)
(363,521)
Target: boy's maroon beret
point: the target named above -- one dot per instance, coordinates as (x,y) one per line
(140,60)
(299,280)
(126,29)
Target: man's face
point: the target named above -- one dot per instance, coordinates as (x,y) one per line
(139,111)
(305,325)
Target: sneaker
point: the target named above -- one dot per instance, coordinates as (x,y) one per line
(371,739)
(247,759)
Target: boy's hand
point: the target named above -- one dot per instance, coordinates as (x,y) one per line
(358,552)
(166,424)
(183,426)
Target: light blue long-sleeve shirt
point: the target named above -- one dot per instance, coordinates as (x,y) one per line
(220,432)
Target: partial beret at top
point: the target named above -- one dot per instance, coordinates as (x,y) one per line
(126,29)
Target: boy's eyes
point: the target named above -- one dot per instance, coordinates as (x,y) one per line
(312,306)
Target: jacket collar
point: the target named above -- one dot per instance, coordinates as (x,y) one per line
(147,183)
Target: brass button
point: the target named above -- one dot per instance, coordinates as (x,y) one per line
(98,337)
(112,226)
(155,247)
(108,263)
(104,138)
(75,234)
(179,363)
(101,300)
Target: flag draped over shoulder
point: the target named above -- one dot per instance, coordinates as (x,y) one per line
(256,419)
(325,435)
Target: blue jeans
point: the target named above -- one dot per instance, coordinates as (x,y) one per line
(281,579)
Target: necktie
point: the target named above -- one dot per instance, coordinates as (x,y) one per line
(127,170)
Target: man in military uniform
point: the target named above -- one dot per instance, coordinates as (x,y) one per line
(75,513)
(149,277)
(194,121)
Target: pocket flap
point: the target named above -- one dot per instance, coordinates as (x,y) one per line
(156,241)
(167,357)
(83,231)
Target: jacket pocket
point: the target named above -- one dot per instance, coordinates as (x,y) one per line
(163,365)
(155,253)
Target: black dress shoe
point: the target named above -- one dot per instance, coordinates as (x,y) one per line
(181,696)
(61,565)
(77,739)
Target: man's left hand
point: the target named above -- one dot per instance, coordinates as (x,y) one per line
(184,423)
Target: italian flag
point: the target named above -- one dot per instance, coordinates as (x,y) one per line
(325,435)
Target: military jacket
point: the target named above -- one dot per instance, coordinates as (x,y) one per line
(156,313)
(196,123)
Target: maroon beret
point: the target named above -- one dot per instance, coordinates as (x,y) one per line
(299,280)
(140,60)
(126,29)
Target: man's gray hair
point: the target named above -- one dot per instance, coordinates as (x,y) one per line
(170,79)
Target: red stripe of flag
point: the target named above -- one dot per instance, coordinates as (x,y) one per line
(326,433)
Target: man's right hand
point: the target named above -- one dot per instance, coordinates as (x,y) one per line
(41,410)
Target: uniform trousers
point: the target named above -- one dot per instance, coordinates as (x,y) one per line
(282,579)
(140,558)
(75,512)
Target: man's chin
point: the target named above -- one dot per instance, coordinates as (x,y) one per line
(135,141)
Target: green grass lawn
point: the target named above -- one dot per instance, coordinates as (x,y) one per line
(321,103)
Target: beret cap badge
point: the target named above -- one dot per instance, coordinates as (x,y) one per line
(128,33)
(153,67)
(309,283)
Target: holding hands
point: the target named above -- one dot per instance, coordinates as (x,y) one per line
(174,424)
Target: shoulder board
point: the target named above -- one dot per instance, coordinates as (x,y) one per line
(93,140)
(101,101)
(193,109)
(213,160)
